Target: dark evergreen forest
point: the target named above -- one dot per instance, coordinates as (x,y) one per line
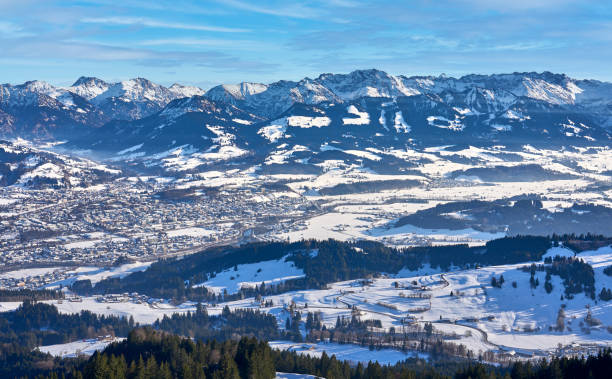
(148,353)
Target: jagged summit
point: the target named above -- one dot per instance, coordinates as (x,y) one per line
(87,80)
(185,91)
(271,99)
(419,108)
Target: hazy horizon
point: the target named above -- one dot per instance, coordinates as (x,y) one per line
(167,84)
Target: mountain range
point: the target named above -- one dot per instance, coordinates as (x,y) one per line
(308,121)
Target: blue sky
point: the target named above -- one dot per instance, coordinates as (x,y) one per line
(210,42)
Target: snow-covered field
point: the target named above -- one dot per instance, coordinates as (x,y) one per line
(285,375)
(76,348)
(55,277)
(143,313)
(18,274)
(192,232)
(96,274)
(253,274)
(573,176)
(351,353)
(346,226)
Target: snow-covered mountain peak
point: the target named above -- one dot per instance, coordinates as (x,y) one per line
(130,99)
(132,89)
(473,104)
(232,92)
(87,80)
(545,86)
(40,86)
(487,92)
(180,90)
(246,89)
(372,83)
(34,93)
(89,87)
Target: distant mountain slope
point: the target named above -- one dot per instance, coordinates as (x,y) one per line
(26,166)
(39,110)
(185,134)
(131,99)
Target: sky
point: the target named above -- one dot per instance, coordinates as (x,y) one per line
(210,42)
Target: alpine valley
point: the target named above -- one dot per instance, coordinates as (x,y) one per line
(418,216)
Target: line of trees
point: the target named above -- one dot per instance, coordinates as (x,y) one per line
(24,294)
(578,276)
(229,324)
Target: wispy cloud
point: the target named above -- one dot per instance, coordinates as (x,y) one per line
(172,6)
(293,10)
(188,42)
(518,5)
(33,48)
(151,23)
(343,3)
(11,30)
(528,45)
(225,44)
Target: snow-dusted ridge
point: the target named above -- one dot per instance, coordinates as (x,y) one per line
(500,89)
(370,118)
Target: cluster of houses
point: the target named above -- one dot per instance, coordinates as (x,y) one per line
(53,275)
(126,297)
(132,219)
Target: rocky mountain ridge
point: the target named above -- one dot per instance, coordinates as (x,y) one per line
(301,123)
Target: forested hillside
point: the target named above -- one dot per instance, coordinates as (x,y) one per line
(323,262)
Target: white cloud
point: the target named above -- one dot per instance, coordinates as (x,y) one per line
(159,24)
(520,46)
(343,3)
(8,29)
(220,43)
(293,11)
(518,5)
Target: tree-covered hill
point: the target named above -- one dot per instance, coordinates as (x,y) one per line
(323,262)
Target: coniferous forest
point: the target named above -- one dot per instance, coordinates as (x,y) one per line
(149,353)
(233,343)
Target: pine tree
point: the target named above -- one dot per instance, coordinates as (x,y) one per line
(164,371)
(227,369)
(151,367)
(118,366)
(140,369)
